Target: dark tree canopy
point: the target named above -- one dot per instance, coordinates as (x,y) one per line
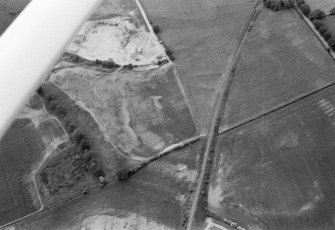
(331,43)
(317,14)
(299,2)
(305,9)
(156,29)
(332,11)
(317,24)
(323,30)
(327,35)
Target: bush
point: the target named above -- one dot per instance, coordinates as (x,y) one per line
(168,52)
(305,9)
(317,24)
(331,43)
(332,11)
(323,30)
(40,91)
(299,2)
(156,29)
(327,35)
(287,4)
(78,136)
(317,14)
(84,145)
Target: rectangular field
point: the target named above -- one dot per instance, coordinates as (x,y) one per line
(278,172)
(281,61)
(20,149)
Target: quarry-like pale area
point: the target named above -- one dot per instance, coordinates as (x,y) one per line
(120,39)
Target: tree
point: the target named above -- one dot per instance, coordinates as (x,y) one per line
(317,14)
(331,43)
(305,9)
(84,145)
(156,29)
(287,4)
(39,91)
(317,24)
(168,52)
(299,2)
(332,11)
(323,30)
(327,35)
(78,136)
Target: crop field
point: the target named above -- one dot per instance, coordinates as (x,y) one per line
(325,5)
(277,172)
(203,35)
(20,149)
(52,134)
(141,112)
(281,60)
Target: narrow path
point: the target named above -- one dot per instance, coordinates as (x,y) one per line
(219,109)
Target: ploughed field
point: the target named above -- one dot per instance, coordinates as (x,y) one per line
(281,61)
(203,35)
(277,171)
(20,149)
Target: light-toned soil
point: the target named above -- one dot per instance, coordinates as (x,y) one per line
(122,39)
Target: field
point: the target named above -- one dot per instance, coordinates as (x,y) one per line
(9,11)
(20,149)
(152,199)
(203,35)
(52,134)
(281,60)
(325,5)
(122,38)
(141,112)
(277,172)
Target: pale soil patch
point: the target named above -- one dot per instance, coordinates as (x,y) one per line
(126,220)
(121,39)
(48,127)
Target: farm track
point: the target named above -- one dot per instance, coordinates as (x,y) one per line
(219,109)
